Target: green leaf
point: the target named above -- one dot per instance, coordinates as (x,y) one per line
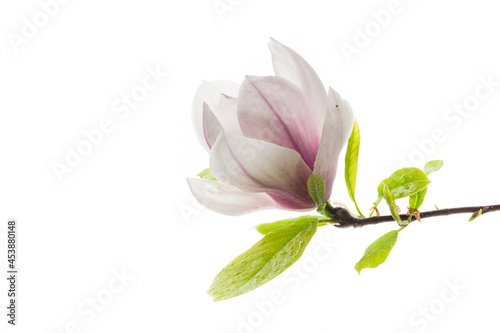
(433,166)
(206,174)
(316,187)
(268,258)
(417,199)
(403,183)
(395,210)
(377,252)
(351,164)
(265,228)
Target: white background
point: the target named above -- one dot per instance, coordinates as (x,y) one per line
(127,205)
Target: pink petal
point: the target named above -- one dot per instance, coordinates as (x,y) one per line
(209,92)
(227,199)
(291,66)
(272,109)
(211,126)
(336,131)
(259,166)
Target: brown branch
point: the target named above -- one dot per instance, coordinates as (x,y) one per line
(343,219)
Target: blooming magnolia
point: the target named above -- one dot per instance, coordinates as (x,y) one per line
(267,136)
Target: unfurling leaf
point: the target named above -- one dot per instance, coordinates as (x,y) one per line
(403,183)
(377,252)
(417,199)
(475,215)
(316,187)
(206,174)
(268,258)
(433,166)
(351,164)
(395,210)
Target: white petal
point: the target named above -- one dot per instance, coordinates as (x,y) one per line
(227,113)
(259,166)
(227,199)
(336,131)
(209,92)
(290,65)
(211,126)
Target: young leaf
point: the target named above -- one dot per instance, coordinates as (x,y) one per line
(433,166)
(268,258)
(395,210)
(475,215)
(377,252)
(206,174)
(316,187)
(351,164)
(265,228)
(417,199)
(403,183)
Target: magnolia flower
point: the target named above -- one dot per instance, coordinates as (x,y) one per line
(267,136)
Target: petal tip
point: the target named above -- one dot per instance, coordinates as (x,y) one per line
(273,42)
